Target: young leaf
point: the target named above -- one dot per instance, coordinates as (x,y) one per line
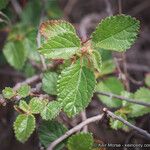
(15,54)
(111,85)
(51,110)
(75,88)
(24,127)
(62,41)
(116,33)
(143,94)
(50,131)
(97,61)
(49,82)
(8,92)
(24,91)
(36,105)
(80,141)
(116,124)
(53,28)
(24,106)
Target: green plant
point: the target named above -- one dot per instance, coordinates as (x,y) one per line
(77,75)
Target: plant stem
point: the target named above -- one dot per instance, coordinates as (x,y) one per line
(139,130)
(124,98)
(75,129)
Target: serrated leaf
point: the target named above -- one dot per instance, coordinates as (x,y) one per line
(15,53)
(143,94)
(110,85)
(51,110)
(80,141)
(36,105)
(53,28)
(24,91)
(97,60)
(62,41)
(147,80)
(8,92)
(75,88)
(24,127)
(116,33)
(24,106)
(3,4)
(60,47)
(49,82)
(50,131)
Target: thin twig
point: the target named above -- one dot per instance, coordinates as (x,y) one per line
(108,7)
(139,130)
(83,115)
(75,129)
(124,98)
(28,81)
(39,35)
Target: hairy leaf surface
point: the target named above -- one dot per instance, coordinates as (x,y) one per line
(116,33)
(80,141)
(24,127)
(75,88)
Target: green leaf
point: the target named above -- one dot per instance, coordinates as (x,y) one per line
(24,91)
(49,131)
(24,106)
(143,95)
(116,124)
(110,85)
(97,61)
(24,127)
(55,28)
(147,80)
(51,110)
(8,92)
(60,47)
(116,33)
(15,54)
(62,41)
(36,105)
(80,141)
(3,4)
(75,88)
(49,82)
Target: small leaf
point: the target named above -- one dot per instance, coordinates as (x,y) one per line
(80,141)
(110,85)
(36,105)
(51,110)
(62,41)
(147,80)
(24,127)
(143,95)
(75,88)
(53,28)
(24,106)
(116,33)
(50,131)
(24,91)
(8,92)
(15,53)
(97,61)
(116,124)
(49,82)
